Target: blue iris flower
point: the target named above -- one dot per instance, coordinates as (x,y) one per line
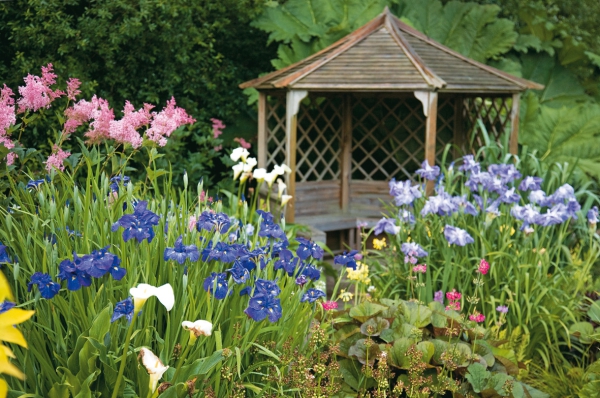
(34,184)
(311,272)
(99,262)
(268,227)
(239,273)
(592,215)
(223,252)
(412,252)
(73,233)
(530,184)
(302,280)
(312,295)
(139,224)
(346,259)
(217,285)
(428,172)
(5,306)
(404,192)
(469,165)
(181,252)
(457,236)
(309,248)
(246,291)
(263,306)
(4,257)
(75,278)
(267,287)
(117,180)
(123,308)
(209,221)
(48,288)
(278,247)
(287,261)
(387,225)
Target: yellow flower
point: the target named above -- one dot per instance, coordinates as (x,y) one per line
(379,244)
(360,274)
(346,296)
(10,334)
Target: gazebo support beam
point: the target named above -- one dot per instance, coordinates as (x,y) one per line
(292,106)
(346,153)
(262,129)
(429,99)
(514,124)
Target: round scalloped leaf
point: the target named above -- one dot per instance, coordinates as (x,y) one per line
(374,326)
(362,353)
(416,314)
(366,310)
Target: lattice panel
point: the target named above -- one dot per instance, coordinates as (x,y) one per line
(318,140)
(493,112)
(275,131)
(445,124)
(388,138)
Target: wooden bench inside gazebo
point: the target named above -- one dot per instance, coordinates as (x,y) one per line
(372,107)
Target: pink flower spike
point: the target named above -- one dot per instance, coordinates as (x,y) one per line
(166,121)
(192,222)
(10,158)
(329,305)
(476,317)
(484,267)
(217,126)
(243,143)
(56,159)
(7,109)
(73,88)
(422,268)
(36,93)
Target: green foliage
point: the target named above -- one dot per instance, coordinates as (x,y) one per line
(197,52)
(304,28)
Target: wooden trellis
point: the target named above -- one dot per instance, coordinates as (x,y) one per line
(387,137)
(275,134)
(318,145)
(494,113)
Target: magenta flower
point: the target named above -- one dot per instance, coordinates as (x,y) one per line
(329,305)
(476,317)
(484,267)
(421,268)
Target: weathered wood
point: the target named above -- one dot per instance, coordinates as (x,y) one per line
(391,56)
(292,105)
(430,135)
(346,153)
(460,134)
(262,130)
(514,124)
(275,130)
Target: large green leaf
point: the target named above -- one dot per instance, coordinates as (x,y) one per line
(561,86)
(564,135)
(306,26)
(471,29)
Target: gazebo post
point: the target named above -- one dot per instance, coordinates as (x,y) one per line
(514,124)
(292,106)
(429,99)
(262,129)
(460,135)
(346,153)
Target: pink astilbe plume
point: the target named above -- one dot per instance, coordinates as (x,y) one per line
(73,88)
(166,121)
(7,119)
(56,159)
(124,131)
(36,93)
(217,126)
(97,111)
(243,143)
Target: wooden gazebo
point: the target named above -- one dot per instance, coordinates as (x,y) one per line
(370,107)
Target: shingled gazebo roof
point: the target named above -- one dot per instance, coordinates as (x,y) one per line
(387,54)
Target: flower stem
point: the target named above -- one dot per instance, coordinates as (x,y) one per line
(124,356)
(181,360)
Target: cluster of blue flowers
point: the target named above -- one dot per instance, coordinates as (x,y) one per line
(501,185)
(139,224)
